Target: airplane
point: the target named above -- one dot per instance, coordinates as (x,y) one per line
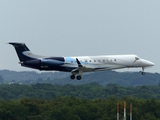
(79,64)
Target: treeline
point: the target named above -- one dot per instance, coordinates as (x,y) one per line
(62,78)
(72,108)
(87,91)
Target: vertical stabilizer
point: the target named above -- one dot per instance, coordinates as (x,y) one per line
(20,49)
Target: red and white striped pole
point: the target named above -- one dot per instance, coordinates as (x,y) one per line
(131,111)
(117,111)
(124,110)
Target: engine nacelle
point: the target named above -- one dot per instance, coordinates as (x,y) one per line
(32,62)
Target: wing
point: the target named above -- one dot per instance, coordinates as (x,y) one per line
(80,69)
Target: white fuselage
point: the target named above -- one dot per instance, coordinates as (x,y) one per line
(99,63)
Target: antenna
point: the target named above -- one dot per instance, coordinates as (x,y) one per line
(131,111)
(117,111)
(124,110)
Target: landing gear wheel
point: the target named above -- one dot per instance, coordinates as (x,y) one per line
(78,77)
(72,77)
(143,73)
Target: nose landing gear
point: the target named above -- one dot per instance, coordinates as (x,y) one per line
(143,73)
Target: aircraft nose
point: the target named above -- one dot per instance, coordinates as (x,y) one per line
(151,63)
(148,63)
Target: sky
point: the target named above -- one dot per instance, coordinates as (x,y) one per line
(80,28)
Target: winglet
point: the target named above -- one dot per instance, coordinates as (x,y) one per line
(78,62)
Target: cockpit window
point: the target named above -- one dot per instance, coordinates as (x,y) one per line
(136,58)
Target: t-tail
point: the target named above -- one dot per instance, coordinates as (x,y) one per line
(26,58)
(22,51)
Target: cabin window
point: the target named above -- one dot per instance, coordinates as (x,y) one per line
(71,61)
(115,60)
(99,61)
(85,60)
(90,61)
(94,60)
(103,60)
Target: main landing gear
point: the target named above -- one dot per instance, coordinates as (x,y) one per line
(73,77)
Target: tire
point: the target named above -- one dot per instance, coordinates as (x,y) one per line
(143,73)
(78,77)
(72,77)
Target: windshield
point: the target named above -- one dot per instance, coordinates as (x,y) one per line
(136,58)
